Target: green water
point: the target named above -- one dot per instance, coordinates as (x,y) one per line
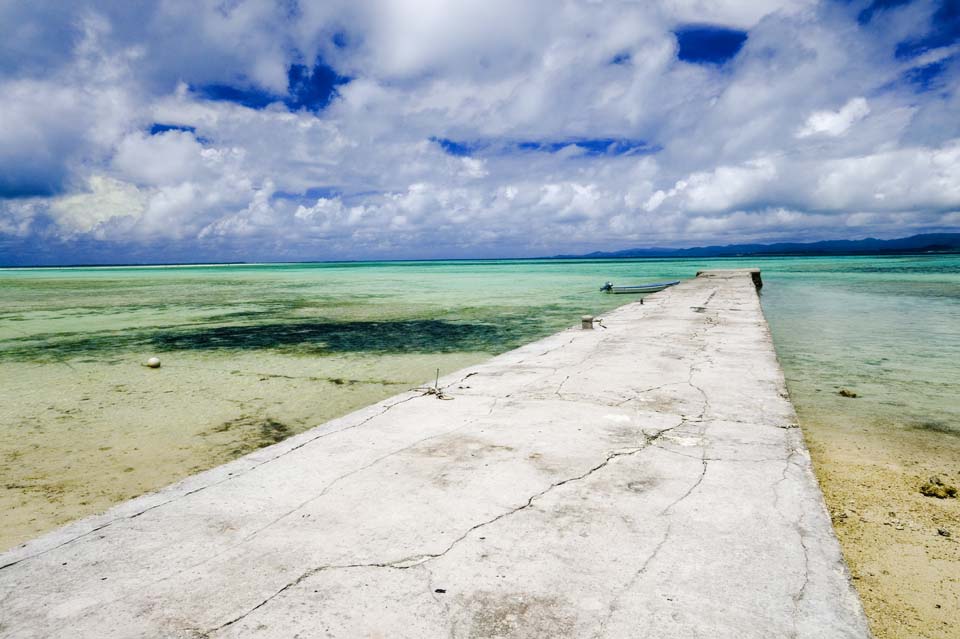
(254,353)
(889,326)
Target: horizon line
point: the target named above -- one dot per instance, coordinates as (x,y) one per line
(595,255)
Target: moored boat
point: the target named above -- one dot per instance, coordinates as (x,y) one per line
(609,287)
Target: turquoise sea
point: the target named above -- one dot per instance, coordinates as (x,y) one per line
(254,353)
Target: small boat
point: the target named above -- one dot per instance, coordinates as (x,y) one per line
(609,287)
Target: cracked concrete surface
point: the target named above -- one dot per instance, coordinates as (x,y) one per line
(643,480)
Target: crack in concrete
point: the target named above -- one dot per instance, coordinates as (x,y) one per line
(461,380)
(758,460)
(612,608)
(372,463)
(550,350)
(576,367)
(801,592)
(300,506)
(783,477)
(797,526)
(230,477)
(559,390)
(797,598)
(255,466)
(415,561)
(642,391)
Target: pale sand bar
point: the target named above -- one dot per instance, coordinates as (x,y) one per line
(646,479)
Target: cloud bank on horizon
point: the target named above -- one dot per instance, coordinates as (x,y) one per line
(285,130)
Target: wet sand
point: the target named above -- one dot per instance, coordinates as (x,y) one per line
(907,573)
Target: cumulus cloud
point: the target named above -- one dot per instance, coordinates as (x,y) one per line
(721,189)
(106,201)
(835,123)
(469,129)
(168,158)
(902,179)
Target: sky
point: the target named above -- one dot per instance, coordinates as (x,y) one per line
(286,130)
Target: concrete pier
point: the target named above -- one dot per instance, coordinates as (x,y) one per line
(642,479)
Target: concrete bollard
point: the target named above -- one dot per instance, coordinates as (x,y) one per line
(586,322)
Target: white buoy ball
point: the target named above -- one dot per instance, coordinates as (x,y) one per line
(153,362)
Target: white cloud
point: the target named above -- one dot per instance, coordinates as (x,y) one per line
(474,168)
(779,141)
(732,13)
(726,187)
(903,179)
(172,157)
(330,214)
(106,201)
(835,123)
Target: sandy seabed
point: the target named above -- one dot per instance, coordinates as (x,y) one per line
(906,571)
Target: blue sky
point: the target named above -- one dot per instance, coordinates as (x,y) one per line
(284,130)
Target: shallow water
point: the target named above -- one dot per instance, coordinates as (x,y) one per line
(887,329)
(254,353)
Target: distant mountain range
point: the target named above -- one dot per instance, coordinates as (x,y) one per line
(928,242)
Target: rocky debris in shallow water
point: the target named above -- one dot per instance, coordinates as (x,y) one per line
(935,487)
(843,392)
